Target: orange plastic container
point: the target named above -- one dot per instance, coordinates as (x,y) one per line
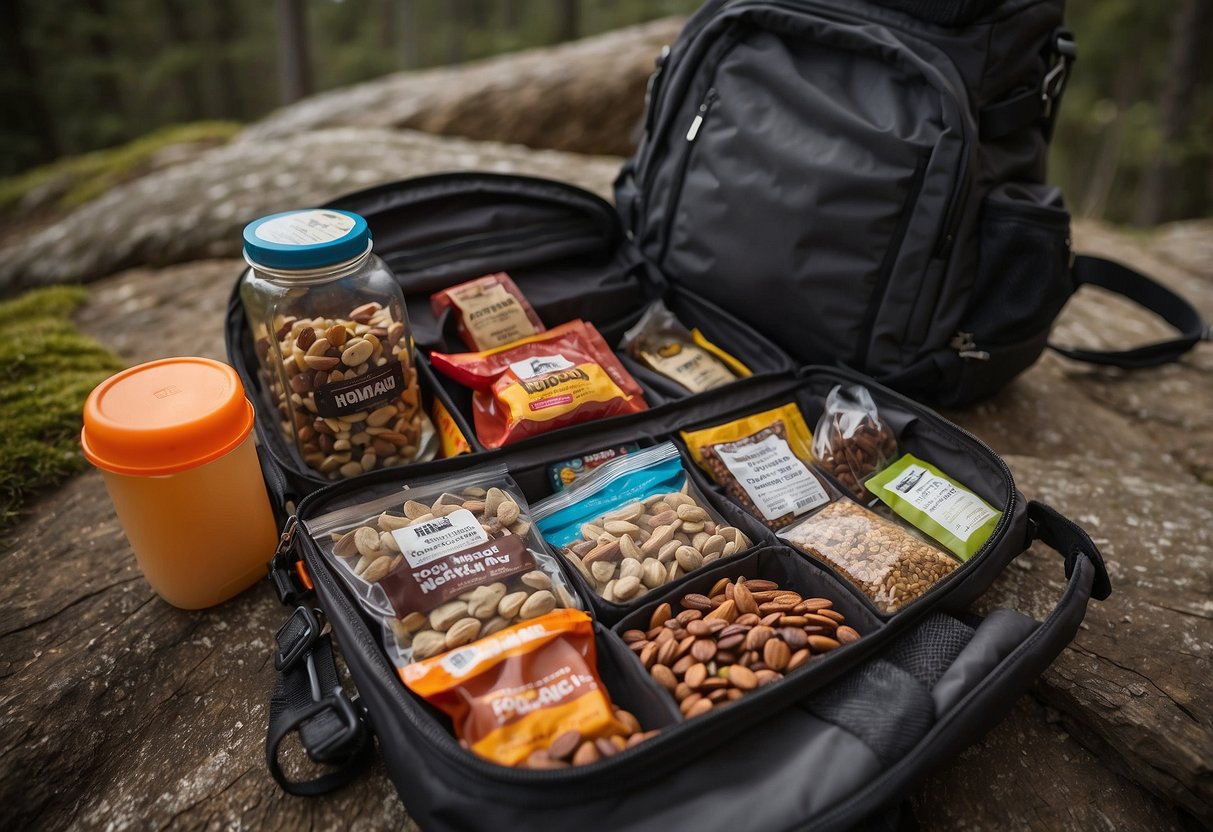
(174,441)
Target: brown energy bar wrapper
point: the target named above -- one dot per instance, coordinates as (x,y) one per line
(489,311)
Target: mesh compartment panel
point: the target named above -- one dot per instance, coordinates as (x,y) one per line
(881,704)
(930,648)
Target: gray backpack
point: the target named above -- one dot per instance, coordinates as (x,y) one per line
(865,181)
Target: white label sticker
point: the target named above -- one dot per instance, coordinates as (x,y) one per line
(432,539)
(540,364)
(959,511)
(306,228)
(776,480)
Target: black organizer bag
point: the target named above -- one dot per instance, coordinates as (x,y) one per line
(826,748)
(831,746)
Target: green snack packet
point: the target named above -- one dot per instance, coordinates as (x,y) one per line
(936,504)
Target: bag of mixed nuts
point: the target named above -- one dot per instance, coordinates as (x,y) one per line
(444,563)
(852,442)
(636,523)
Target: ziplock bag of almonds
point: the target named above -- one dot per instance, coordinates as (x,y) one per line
(636,523)
(444,563)
(852,442)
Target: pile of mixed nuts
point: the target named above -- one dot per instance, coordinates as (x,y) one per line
(570,749)
(342,427)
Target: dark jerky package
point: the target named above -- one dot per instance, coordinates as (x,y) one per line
(551,380)
(489,311)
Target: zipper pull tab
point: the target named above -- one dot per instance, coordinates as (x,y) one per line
(708,100)
(966,346)
(288,586)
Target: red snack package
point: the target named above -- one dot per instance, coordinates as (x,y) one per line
(512,693)
(558,378)
(490,311)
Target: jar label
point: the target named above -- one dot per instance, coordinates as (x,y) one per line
(306,228)
(366,392)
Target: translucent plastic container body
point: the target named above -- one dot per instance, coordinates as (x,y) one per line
(173,439)
(203,535)
(335,349)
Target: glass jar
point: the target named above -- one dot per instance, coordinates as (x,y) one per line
(333,341)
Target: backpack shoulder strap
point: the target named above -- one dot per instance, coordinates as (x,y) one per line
(1148,293)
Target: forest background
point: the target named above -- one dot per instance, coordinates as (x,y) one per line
(1134,144)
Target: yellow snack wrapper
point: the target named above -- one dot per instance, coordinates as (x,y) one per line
(799,437)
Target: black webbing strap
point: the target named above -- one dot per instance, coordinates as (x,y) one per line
(307,694)
(1160,300)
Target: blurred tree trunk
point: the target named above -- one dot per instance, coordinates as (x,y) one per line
(1189,39)
(408,55)
(294,65)
(103,54)
(568,20)
(188,76)
(28,105)
(455,33)
(509,15)
(225,32)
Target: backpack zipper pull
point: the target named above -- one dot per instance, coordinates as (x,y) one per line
(966,345)
(708,100)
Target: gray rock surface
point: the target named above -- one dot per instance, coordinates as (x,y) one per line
(196,209)
(119,710)
(584,96)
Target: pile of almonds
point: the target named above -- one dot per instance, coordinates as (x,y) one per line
(644,545)
(570,749)
(741,636)
(318,352)
(372,552)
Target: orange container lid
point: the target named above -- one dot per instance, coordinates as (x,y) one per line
(165,416)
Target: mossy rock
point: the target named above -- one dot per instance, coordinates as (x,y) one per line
(75,180)
(47,369)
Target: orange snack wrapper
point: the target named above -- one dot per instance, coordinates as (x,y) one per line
(512,693)
(551,380)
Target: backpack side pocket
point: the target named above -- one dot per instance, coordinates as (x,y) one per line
(1023,281)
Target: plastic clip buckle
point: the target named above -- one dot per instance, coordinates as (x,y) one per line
(297,637)
(340,743)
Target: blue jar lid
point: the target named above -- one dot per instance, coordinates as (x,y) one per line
(308,239)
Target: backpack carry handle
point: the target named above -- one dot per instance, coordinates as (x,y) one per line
(1059,532)
(1148,293)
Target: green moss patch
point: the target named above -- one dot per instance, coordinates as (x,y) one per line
(47,370)
(75,180)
